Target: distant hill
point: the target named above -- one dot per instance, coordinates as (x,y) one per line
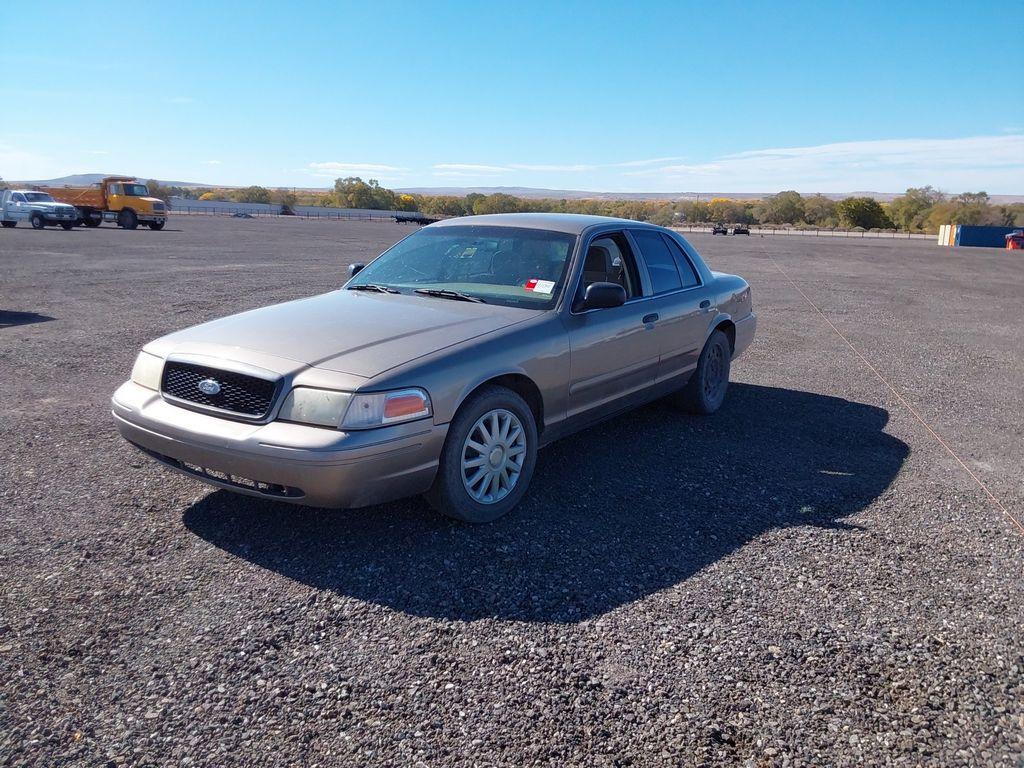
(85,179)
(577,194)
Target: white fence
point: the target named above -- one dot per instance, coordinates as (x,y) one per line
(223,208)
(770,232)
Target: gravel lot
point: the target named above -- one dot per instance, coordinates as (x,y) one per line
(805,578)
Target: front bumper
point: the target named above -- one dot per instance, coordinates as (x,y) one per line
(288,462)
(59,217)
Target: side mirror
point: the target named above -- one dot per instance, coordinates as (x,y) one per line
(604,296)
(353,269)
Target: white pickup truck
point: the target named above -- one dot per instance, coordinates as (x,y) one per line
(37,208)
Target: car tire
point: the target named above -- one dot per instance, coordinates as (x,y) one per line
(705,392)
(8,224)
(127,219)
(156,226)
(68,225)
(37,221)
(458,492)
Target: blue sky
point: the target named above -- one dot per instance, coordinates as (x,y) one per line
(658,96)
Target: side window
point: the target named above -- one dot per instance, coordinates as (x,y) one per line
(19,198)
(660,264)
(686,270)
(610,260)
(112,189)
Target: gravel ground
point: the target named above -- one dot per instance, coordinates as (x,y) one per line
(805,578)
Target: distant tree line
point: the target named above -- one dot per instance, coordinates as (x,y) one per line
(921,209)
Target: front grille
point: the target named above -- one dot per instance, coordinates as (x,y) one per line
(245,395)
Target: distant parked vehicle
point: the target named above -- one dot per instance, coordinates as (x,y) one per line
(720,229)
(242,215)
(37,208)
(116,198)
(741,229)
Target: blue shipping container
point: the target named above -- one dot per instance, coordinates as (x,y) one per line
(982,237)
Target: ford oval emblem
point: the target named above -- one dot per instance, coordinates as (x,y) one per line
(209,387)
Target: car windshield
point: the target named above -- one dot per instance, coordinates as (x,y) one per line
(38,197)
(138,190)
(499,265)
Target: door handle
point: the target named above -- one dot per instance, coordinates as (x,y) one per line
(706,304)
(651,318)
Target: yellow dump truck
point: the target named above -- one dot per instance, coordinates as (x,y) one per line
(117,198)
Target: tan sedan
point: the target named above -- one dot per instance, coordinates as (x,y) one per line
(443,365)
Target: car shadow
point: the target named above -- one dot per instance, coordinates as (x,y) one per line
(11,319)
(614,513)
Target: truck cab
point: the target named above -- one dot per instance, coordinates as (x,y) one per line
(37,208)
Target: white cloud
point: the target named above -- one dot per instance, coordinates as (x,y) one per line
(468,169)
(18,164)
(552,168)
(211,162)
(993,163)
(333,169)
(98,152)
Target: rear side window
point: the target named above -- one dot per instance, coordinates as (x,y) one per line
(686,271)
(660,264)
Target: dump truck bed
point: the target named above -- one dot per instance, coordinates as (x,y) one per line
(91,197)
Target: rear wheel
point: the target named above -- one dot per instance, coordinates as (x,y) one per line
(705,392)
(127,219)
(37,221)
(156,225)
(8,224)
(488,457)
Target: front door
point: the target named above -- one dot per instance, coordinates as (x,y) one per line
(614,353)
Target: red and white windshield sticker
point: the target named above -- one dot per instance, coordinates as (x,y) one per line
(539,286)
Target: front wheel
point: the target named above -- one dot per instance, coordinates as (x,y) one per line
(705,392)
(37,221)
(67,224)
(488,457)
(156,225)
(127,219)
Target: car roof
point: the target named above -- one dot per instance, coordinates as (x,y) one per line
(570,223)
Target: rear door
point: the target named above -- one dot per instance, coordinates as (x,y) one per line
(679,300)
(614,353)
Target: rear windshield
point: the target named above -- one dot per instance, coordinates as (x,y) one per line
(500,265)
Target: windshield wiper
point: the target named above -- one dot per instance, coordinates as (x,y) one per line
(373,287)
(444,293)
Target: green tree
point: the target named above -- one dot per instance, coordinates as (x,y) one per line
(820,211)
(864,212)
(250,195)
(499,202)
(910,210)
(784,208)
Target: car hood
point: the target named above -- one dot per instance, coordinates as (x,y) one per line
(353,332)
(38,206)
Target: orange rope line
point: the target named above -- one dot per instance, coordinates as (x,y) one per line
(899,397)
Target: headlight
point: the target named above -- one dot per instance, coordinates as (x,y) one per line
(379,409)
(345,410)
(315,406)
(147,369)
